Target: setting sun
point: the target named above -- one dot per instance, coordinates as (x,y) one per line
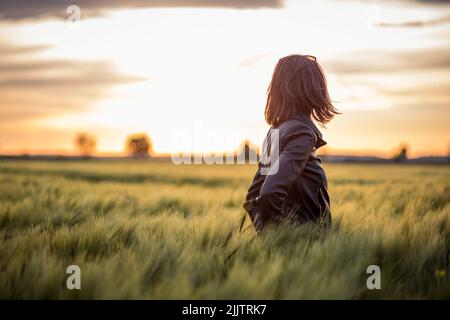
(171,70)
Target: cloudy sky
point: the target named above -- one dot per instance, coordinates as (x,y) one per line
(193,74)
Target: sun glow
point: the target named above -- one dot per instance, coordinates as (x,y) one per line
(211,67)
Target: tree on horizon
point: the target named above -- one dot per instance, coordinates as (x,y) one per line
(139,146)
(86,144)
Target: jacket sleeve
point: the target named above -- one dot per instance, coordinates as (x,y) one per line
(291,162)
(250,201)
(258,180)
(255,187)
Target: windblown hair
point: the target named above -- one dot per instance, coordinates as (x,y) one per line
(298,86)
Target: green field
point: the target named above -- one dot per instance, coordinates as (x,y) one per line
(140,229)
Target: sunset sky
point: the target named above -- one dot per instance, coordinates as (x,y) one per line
(193,74)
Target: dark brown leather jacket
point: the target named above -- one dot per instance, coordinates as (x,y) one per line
(299,189)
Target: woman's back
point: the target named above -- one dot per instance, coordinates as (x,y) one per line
(291,182)
(299,187)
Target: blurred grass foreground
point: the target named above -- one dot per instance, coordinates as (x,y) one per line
(143,229)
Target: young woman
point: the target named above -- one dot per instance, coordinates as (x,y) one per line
(293,184)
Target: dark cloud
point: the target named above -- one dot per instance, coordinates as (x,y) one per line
(8,50)
(69,74)
(414,23)
(380,61)
(434,1)
(31,88)
(426,89)
(389,74)
(20,9)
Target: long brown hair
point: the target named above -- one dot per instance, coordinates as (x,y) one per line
(298,86)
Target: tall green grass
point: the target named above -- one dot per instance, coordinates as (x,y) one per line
(156,231)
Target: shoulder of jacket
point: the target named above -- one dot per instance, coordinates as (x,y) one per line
(295,126)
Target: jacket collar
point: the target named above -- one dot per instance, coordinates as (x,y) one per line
(307,120)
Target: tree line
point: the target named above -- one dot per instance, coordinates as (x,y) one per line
(136,145)
(141,146)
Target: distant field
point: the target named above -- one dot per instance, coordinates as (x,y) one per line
(152,230)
